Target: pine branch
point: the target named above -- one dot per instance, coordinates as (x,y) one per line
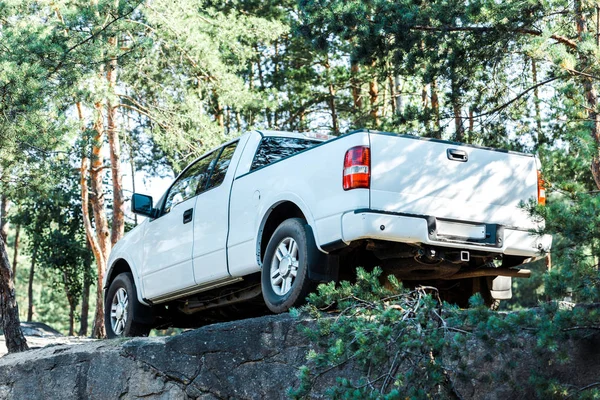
(519,96)
(481,29)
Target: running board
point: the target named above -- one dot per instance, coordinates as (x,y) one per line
(192,306)
(193,290)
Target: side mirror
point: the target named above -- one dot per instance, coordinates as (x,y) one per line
(142,204)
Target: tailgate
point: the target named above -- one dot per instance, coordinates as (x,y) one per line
(451,181)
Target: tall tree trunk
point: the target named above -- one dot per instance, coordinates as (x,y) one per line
(355,86)
(3,218)
(425,104)
(100,220)
(591,95)
(72,304)
(456,109)
(334,117)
(30,283)
(261,80)
(250,118)
(536,101)
(392,89)
(218,110)
(98,237)
(228,120)
(238,121)
(398,91)
(435,107)
(71,318)
(276,80)
(85,293)
(16,252)
(132,167)
(459,137)
(374,96)
(424,96)
(471,121)
(9,309)
(114,142)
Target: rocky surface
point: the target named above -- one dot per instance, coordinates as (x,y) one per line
(40,335)
(250,359)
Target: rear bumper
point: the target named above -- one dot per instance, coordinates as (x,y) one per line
(422,229)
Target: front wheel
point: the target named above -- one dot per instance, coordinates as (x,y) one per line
(119,309)
(284,279)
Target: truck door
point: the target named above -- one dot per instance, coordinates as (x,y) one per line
(168,241)
(211,219)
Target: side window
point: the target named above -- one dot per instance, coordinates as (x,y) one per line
(220,169)
(186,186)
(273,149)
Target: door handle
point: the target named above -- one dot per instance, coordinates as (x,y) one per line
(457,155)
(187,215)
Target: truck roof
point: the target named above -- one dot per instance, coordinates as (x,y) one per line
(299,135)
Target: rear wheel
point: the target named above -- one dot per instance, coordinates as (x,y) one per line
(284,279)
(120,309)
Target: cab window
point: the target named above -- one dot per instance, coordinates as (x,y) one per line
(221,166)
(193,178)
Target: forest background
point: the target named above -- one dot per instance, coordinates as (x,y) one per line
(92,92)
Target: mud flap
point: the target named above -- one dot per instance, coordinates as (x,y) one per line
(322,267)
(500,287)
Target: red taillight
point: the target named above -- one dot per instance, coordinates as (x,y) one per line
(357,168)
(541,189)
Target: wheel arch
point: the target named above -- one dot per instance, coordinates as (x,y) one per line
(119,266)
(143,312)
(274,216)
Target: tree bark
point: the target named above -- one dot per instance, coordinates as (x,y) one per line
(98,237)
(392,89)
(3,218)
(71,302)
(218,110)
(261,80)
(331,100)
(9,309)
(591,95)
(456,109)
(374,96)
(398,91)
(471,121)
(536,101)
(30,283)
(16,252)
(457,121)
(118,217)
(425,104)
(355,86)
(85,293)
(100,220)
(238,121)
(435,107)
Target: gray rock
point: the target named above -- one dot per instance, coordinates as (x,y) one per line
(250,359)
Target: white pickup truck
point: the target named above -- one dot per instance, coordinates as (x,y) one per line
(277,212)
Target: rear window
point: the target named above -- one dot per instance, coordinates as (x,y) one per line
(273,149)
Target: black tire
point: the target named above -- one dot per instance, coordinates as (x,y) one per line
(301,285)
(127,326)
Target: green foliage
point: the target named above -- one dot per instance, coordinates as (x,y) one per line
(406,344)
(51,218)
(380,330)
